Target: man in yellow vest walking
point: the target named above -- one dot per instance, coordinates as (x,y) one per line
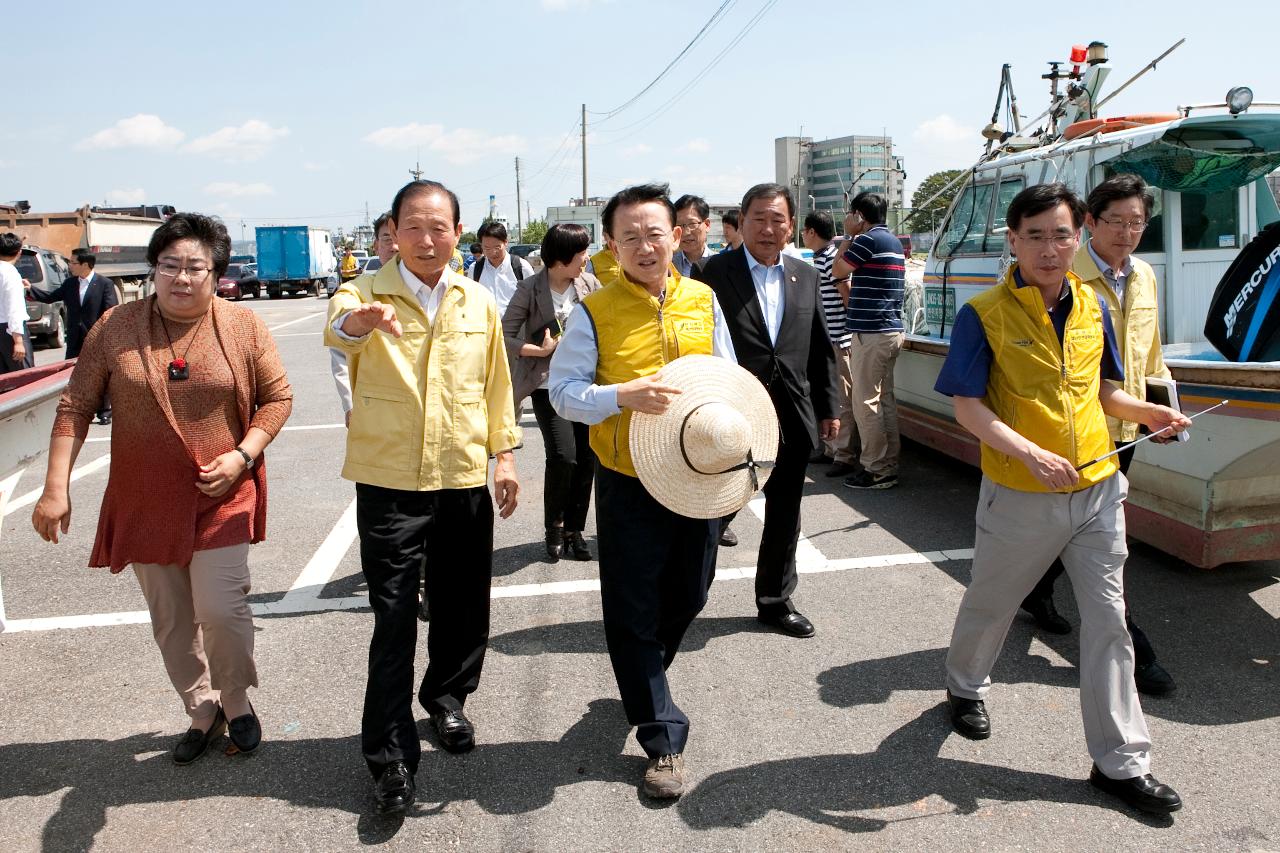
(655,565)
(1026,367)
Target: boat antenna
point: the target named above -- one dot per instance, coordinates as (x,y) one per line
(1145,69)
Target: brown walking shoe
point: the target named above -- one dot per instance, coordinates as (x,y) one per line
(664,777)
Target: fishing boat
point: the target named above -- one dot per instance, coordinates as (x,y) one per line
(1216,498)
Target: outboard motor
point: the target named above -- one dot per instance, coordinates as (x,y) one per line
(1244,315)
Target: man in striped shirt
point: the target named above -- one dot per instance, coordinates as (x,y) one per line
(819,237)
(874,319)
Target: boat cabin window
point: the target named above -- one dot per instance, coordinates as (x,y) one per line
(1210,220)
(966,229)
(999,223)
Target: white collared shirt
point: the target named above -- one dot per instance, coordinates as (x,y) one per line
(428,297)
(13,303)
(84,286)
(769,291)
(1115,278)
(501,280)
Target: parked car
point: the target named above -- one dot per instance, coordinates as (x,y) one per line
(331,284)
(531,252)
(45,270)
(238,281)
(371,265)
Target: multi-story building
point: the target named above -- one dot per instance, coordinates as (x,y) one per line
(825,174)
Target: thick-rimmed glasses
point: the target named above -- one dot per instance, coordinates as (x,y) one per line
(1137,226)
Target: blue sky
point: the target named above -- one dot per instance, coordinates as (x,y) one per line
(278,112)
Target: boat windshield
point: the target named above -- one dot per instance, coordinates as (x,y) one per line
(1207,157)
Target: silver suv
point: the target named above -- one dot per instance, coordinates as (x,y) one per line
(45,269)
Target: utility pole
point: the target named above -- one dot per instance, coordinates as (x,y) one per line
(519,224)
(416,171)
(584,154)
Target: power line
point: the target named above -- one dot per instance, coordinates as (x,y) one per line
(715,16)
(647,120)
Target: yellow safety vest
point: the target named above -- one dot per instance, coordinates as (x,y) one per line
(1046,392)
(605,266)
(635,336)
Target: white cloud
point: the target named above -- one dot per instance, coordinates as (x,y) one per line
(127,197)
(636,150)
(457,146)
(249,141)
(140,131)
(697,146)
(944,130)
(715,187)
(231,189)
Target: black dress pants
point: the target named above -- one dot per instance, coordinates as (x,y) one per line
(8,364)
(776,566)
(571,466)
(1142,650)
(452,531)
(654,566)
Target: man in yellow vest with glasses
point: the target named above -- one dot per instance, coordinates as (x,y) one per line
(1026,367)
(655,565)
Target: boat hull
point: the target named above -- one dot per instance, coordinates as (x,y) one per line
(1212,500)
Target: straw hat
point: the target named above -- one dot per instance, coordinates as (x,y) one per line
(714,447)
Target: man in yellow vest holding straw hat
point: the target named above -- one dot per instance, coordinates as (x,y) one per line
(1026,367)
(655,563)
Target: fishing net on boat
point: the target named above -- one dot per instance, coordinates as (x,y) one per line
(1174,165)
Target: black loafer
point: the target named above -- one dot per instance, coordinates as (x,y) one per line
(1046,615)
(555,543)
(791,624)
(195,742)
(1153,679)
(969,717)
(727,537)
(394,791)
(575,547)
(454,730)
(1142,792)
(245,732)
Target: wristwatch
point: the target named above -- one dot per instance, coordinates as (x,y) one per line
(248,460)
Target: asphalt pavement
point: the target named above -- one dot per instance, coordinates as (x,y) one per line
(840,742)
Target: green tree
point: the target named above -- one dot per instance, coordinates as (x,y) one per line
(534,231)
(467,238)
(924,218)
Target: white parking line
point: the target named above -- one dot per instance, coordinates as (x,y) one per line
(806,552)
(34,495)
(310,604)
(299,320)
(319,569)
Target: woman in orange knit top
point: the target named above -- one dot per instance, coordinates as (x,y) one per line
(198,392)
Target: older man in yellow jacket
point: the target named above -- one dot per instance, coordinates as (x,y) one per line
(432,401)
(1118,212)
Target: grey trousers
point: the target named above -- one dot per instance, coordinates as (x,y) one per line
(1019,534)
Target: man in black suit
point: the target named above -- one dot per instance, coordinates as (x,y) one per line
(87,296)
(774,313)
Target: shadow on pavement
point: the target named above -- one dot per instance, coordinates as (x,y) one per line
(588,637)
(903,771)
(325,773)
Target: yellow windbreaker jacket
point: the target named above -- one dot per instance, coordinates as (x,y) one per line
(429,407)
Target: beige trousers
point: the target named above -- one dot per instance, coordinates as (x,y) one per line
(845,447)
(1019,535)
(201,621)
(872,356)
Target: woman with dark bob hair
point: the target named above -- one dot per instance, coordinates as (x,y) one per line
(198,391)
(533,324)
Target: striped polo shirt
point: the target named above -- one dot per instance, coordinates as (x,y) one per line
(832,304)
(879,272)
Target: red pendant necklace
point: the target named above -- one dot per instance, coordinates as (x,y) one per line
(179,368)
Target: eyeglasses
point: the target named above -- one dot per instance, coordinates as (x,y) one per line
(194,274)
(687,226)
(653,238)
(1057,241)
(1137,226)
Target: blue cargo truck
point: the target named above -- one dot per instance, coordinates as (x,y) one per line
(294,258)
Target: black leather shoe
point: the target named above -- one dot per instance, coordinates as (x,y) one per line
(393,792)
(575,547)
(1153,679)
(555,543)
(1142,792)
(454,730)
(1046,615)
(104,420)
(245,732)
(727,537)
(969,717)
(841,469)
(195,742)
(791,624)
(819,457)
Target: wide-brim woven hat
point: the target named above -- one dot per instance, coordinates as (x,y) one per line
(714,447)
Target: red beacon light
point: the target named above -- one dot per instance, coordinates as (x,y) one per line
(1079,55)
